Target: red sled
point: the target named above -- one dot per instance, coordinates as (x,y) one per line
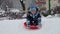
(33,27)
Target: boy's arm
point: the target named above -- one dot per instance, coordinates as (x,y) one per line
(39,18)
(39,15)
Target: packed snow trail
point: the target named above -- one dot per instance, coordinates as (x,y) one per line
(49,26)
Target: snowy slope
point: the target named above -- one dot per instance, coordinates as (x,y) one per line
(49,26)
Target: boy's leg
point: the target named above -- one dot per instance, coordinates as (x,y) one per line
(36,22)
(28,22)
(31,22)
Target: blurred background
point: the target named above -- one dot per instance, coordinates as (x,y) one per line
(15,9)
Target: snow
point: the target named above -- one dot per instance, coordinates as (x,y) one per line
(24,15)
(15,10)
(49,26)
(2,11)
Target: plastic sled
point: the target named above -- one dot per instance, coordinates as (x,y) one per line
(33,27)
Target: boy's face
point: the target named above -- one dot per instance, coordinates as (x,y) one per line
(33,11)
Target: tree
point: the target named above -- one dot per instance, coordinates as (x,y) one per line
(23,5)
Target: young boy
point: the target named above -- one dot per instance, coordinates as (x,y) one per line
(33,16)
